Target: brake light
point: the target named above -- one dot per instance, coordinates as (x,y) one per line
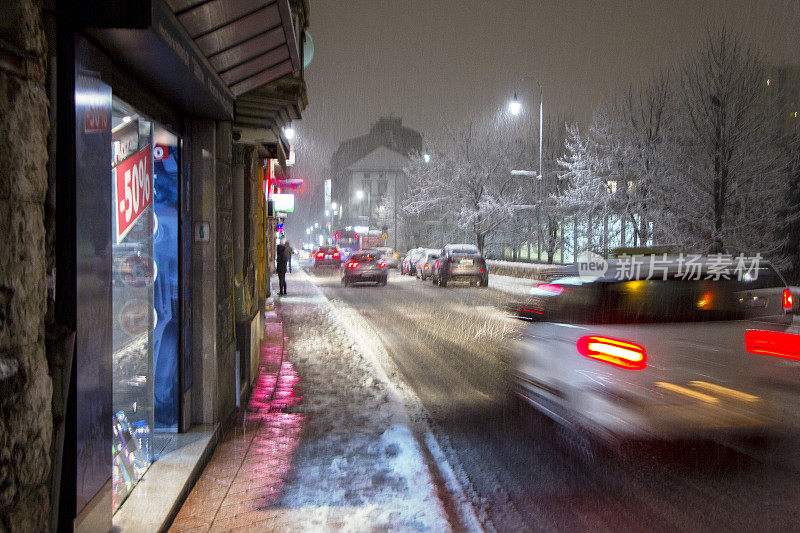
(616,352)
(320,254)
(550,288)
(773,343)
(427,266)
(336,254)
(787,299)
(382,264)
(481,271)
(352,264)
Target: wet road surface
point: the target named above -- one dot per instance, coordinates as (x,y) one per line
(449,345)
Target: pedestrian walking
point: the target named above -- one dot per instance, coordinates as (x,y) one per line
(280,267)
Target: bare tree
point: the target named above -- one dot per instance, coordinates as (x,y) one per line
(646,114)
(467,181)
(729,167)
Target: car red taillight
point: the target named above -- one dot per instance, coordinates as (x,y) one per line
(320,255)
(550,288)
(382,264)
(774,343)
(336,254)
(352,264)
(787,299)
(616,352)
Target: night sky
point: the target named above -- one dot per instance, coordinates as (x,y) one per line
(435,63)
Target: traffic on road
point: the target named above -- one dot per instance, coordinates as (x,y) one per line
(568,400)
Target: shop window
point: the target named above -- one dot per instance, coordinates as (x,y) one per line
(134,272)
(145,293)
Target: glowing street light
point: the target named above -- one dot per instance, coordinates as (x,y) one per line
(515,106)
(359,195)
(426,158)
(289,132)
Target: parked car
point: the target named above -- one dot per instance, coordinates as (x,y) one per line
(460,262)
(366,266)
(425,263)
(327,256)
(622,357)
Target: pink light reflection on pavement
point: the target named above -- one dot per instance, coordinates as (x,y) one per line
(277,437)
(247,472)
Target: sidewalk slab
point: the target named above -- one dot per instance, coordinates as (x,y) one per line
(319,446)
(158,495)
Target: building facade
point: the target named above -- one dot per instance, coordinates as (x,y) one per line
(368,183)
(134,306)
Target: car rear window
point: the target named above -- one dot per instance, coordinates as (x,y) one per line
(670,300)
(364,256)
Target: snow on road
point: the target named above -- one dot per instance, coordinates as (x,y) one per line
(406,404)
(359,466)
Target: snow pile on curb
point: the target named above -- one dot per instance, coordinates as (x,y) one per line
(358,466)
(405,404)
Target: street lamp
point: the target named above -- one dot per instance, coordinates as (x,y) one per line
(289,132)
(515,107)
(426,158)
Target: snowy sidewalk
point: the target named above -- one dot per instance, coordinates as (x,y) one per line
(322,445)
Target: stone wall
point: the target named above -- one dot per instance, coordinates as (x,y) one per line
(25,385)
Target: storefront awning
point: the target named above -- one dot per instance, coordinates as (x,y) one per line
(201,53)
(249,43)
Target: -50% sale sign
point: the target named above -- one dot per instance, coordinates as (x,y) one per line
(133,190)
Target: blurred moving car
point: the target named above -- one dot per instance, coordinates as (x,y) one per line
(425,263)
(366,266)
(460,262)
(327,256)
(623,357)
(391,257)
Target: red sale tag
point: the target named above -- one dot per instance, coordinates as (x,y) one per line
(133,190)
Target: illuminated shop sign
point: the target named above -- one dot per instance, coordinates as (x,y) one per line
(283,202)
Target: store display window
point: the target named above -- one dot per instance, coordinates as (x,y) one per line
(134,274)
